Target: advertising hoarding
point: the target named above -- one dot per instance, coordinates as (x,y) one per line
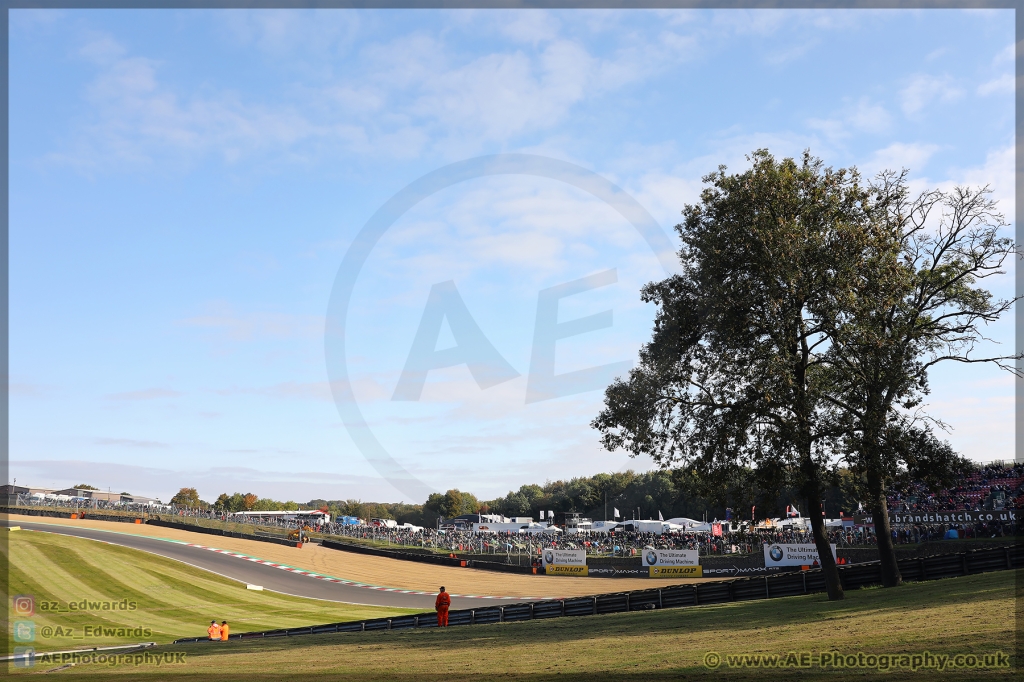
(556,569)
(564,557)
(670,557)
(792,555)
(676,571)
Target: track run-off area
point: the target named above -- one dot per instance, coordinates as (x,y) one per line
(315,572)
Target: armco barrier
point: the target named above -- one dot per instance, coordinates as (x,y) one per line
(852,576)
(425,558)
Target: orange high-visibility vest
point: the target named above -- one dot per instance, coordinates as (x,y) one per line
(442,602)
(214,631)
(224,630)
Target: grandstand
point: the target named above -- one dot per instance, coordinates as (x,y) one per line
(992,486)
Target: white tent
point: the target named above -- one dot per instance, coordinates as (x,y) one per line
(605,526)
(645,526)
(538,528)
(690,525)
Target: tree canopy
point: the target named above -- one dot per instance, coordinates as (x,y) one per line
(798,336)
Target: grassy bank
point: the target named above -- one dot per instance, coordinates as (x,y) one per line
(132,596)
(970,615)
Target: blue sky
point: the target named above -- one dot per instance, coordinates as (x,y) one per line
(185,184)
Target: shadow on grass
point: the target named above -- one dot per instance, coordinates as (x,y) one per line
(908,601)
(557,649)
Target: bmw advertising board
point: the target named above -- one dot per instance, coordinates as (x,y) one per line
(564,561)
(671,557)
(792,555)
(672,563)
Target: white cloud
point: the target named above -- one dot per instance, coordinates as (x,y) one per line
(145,394)
(923,90)
(529,25)
(30,19)
(1002,85)
(1005,55)
(900,155)
(278,32)
(130,443)
(309,390)
(222,319)
(102,49)
(23,389)
(137,119)
(864,115)
(998,173)
(501,95)
(869,116)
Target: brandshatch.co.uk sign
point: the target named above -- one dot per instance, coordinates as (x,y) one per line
(960,516)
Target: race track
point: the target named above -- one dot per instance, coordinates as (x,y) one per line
(272,576)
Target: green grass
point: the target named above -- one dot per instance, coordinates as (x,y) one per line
(171,599)
(957,616)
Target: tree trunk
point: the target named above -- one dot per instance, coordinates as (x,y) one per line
(828,562)
(883,533)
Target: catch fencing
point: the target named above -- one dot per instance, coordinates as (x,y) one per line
(852,577)
(427,557)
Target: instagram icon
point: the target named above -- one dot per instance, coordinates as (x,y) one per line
(24,604)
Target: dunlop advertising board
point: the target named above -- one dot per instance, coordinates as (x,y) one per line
(792,555)
(676,571)
(556,569)
(564,561)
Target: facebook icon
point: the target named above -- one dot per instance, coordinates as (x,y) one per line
(24,657)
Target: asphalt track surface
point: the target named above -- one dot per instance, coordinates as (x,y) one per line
(271,576)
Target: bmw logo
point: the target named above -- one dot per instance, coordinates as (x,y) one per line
(549,557)
(652,558)
(775,553)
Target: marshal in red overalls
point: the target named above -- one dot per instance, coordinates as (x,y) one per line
(441,605)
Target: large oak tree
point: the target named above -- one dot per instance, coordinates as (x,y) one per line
(733,376)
